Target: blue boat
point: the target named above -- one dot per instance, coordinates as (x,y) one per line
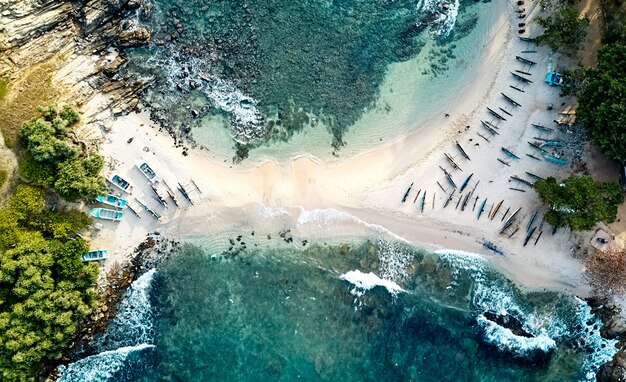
(482,208)
(106,214)
(99,254)
(112,200)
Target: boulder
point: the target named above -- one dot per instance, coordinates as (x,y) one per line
(135,37)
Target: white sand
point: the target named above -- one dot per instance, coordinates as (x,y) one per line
(361,195)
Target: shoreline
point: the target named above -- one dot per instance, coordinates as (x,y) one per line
(369,185)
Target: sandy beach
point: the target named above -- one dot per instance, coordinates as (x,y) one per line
(362,195)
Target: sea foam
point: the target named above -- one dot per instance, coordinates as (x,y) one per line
(368,281)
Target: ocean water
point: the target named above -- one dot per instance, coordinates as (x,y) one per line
(362,311)
(259,73)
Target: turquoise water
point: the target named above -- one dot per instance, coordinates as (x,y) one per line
(258,72)
(280,313)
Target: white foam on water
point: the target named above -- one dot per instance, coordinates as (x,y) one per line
(368,281)
(134,320)
(505,339)
(100,367)
(441,14)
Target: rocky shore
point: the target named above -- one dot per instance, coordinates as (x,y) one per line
(87,38)
(614,328)
(111,287)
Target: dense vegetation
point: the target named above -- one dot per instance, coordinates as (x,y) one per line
(579,201)
(564,30)
(56,159)
(601,101)
(44,287)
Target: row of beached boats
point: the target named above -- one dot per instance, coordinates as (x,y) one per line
(118,203)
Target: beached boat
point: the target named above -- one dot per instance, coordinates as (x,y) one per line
(509,153)
(496,209)
(112,200)
(466,182)
(119,182)
(99,254)
(482,208)
(146,170)
(106,214)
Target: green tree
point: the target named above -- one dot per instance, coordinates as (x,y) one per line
(579,201)
(45,289)
(564,30)
(75,179)
(601,105)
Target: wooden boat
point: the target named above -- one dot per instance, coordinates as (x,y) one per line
(523,72)
(511,100)
(133,210)
(452,161)
(171,195)
(449,198)
(483,137)
(489,129)
(158,197)
(417,195)
(96,255)
(458,202)
(186,194)
(150,210)
(119,182)
(521,78)
(146,170)
(538,237)
(406,194)
(532,220)
(474,206)
(112,200)
(538,147)
(542,128)
(495,210)
(525,60)
(106,214)
(489,124)
(505,111)
(465,182)
(526,39)
(532,156)
(496,114)
(464,204)
(529,235)
(503,162)
(423,200)
(534,176)
(461,150)
(516,88)
(481,208)
(513,215)
(517,178)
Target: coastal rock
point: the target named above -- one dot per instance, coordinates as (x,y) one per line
(614,371)
(135,37)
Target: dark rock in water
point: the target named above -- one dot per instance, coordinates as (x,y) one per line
(195,113)
(135,37)
(509,322)
(610,314)
(614,371)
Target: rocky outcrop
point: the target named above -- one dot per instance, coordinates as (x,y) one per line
(614,328)
(87,39)
(134,37)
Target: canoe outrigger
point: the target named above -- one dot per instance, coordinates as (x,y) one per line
(106,214)
(112,200)
(520,78)
(146,170)
(96,255)
(525,60)
(511,100)
(119,182)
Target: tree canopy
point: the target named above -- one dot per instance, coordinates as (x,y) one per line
(564,30)
(45,289)
(601,105)
(55,160)
(579,201)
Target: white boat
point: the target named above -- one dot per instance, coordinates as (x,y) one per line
(119,182)
(146,170)
(99,254)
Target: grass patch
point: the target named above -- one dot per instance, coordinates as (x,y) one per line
(3,177)
(18,103)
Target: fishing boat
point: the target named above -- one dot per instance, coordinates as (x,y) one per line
(423,201)
(465,182)
(462,151)
(449,198)
(495,114)
(146,170)
(481,208)
(106,214)
(495,210)
(525,60)
(520,78)
(511,100)
(96,255)
(112,200)
(406,194)
(119,182)
(509,153)
(532,220)
(541,127)
(452,161)
(529,235)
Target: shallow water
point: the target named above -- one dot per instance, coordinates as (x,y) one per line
(281,313)
(261,72)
